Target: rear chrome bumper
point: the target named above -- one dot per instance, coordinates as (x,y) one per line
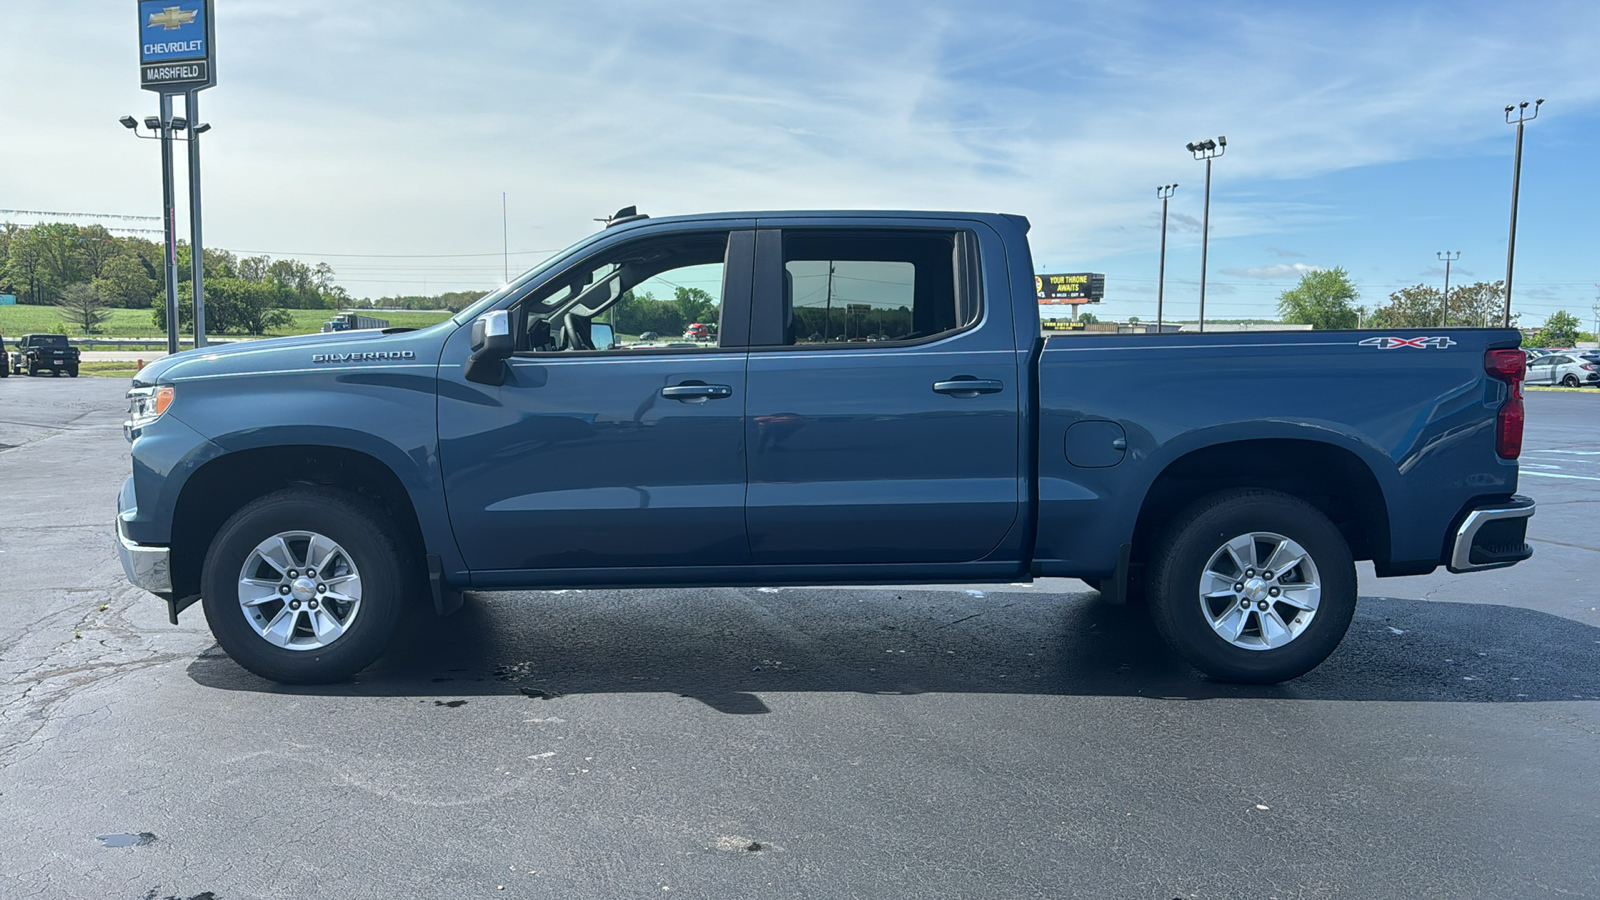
(1492,537)
(146,567)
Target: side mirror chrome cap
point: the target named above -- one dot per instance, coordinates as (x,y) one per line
(492,345)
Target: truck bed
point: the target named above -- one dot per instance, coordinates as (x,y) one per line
(1399,418)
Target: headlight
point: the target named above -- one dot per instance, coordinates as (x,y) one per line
(146,404)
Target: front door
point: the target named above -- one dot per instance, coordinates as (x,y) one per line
(883,400)
(1540,370)
(617,440)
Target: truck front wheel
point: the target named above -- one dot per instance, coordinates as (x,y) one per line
(305,585)
(1253,586)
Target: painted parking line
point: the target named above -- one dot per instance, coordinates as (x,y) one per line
(1559,475)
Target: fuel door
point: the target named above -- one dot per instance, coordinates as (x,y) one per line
(1096,444)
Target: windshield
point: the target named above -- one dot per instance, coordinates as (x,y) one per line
(471,312)
(50,340)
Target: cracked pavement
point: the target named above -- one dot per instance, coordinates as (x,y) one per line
(964,740)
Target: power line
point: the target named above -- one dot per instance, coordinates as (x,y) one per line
(78,215)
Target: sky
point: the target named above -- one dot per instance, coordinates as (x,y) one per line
(379,136)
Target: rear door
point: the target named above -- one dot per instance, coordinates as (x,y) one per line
(883,402)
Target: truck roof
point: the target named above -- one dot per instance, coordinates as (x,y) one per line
(1018,220)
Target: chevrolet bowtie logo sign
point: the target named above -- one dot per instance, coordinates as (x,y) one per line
(172,18)
(176,53)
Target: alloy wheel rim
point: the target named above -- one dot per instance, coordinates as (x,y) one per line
(1260,591)
(299,590)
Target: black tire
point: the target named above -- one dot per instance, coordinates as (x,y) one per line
(1570,381)
(32,371)
(373,547)
(72,372)
(1186,547)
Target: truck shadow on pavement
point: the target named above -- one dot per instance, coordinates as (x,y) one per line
(725,647)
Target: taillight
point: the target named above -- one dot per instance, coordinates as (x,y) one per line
(1588,367)
(1508,366)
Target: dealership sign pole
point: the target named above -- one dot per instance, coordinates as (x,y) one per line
(176,56)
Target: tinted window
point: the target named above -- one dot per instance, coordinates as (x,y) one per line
(652,293)
(847,287)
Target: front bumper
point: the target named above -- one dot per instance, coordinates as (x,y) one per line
(1492,537)
(147,567)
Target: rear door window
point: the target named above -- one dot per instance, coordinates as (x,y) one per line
(850,288)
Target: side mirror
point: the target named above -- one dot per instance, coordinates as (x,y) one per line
(601,336)
(492,345)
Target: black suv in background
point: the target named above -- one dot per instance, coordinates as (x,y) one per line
(37,353)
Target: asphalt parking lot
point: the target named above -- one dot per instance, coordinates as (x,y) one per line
(969,741)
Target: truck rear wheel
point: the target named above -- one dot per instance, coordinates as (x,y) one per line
(1253,586)
(305,585)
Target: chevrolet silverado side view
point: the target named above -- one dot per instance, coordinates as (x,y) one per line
(877,406)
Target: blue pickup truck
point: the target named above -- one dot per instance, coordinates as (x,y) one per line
(878,407)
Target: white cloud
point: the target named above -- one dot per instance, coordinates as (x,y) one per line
(393,127)
(1277,270)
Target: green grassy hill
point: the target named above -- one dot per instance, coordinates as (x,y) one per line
(136,323)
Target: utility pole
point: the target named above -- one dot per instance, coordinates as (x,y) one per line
(1445,255)
(1165,192)
(1207,150)
(1516,177)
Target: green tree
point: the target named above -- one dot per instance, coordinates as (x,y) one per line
(123,282)
(62,260)
(96,247)
(1323,299)
(1087,318)
(1412,307)
(1471,306)
(1560,330)
(694,305)
(25,266)
(81,305)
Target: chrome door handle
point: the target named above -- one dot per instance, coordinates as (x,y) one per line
(968,387)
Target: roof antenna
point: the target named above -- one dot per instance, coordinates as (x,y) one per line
(625,214)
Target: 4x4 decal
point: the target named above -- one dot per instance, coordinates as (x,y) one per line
(1390,343)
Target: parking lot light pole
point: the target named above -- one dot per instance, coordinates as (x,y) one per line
(1445,255)
(169,220)
(1165,192)
(1516,177)
(161,128)
(197,253)
(1207,150)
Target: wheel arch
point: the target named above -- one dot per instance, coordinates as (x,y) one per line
(224,484)
(1334,479)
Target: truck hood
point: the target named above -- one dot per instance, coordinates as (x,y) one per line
(294,353)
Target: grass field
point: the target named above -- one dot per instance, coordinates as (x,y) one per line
(109,369)
(136,323)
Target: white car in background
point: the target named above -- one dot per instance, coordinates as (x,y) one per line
(1563,369)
